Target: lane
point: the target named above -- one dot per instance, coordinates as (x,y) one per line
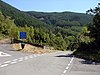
(10,53)
(58,63)
(68,66)
(82,67)
(48,64)
(14,61)
(10,56)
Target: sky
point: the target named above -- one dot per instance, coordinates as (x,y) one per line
(80,6)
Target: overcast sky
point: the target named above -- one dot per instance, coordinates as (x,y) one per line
(80,6)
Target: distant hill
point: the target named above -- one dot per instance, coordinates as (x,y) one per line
(42,19)
(63,18)
(20,17)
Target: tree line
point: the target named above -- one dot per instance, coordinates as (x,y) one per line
(90,38)
(40,36)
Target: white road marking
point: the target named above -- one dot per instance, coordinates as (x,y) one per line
(13,62)
(7,62)
(72,60)
(65,71)
(4,65)
(2,54)
(67,68)
(21,58)
(68,65)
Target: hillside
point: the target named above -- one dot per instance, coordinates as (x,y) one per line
(21,18)
(62,19)
(39,19)
(58,30)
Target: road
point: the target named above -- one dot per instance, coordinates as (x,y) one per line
(58,63)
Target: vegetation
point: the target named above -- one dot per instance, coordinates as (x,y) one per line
(63,19)
(90,38)
(67,23)
(20,18)
(62,31)
(34,35)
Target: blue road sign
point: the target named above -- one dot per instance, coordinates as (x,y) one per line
(23,35)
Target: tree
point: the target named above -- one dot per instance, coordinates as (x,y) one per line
(59,43)
(95,29)
(90,49)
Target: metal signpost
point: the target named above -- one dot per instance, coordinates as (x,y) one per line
(23,36)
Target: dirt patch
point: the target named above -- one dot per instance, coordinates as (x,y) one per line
(32,49)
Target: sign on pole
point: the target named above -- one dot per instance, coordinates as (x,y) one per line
(23,35)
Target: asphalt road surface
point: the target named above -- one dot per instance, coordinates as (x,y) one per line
(13,62)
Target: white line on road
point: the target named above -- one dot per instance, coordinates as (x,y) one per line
(71,60)
(21,58)
(7,62)
(4,65)
(2,54)
(13,62)
(67,68)
(65,71)
(68,65)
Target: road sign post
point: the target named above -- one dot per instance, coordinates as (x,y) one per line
(23,36)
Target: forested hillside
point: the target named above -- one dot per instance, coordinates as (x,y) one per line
(59,30)
(20,18)
(34,35)
(63,19)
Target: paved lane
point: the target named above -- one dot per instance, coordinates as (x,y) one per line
(58,63)
(47,64)
(12,53)
(82,67)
